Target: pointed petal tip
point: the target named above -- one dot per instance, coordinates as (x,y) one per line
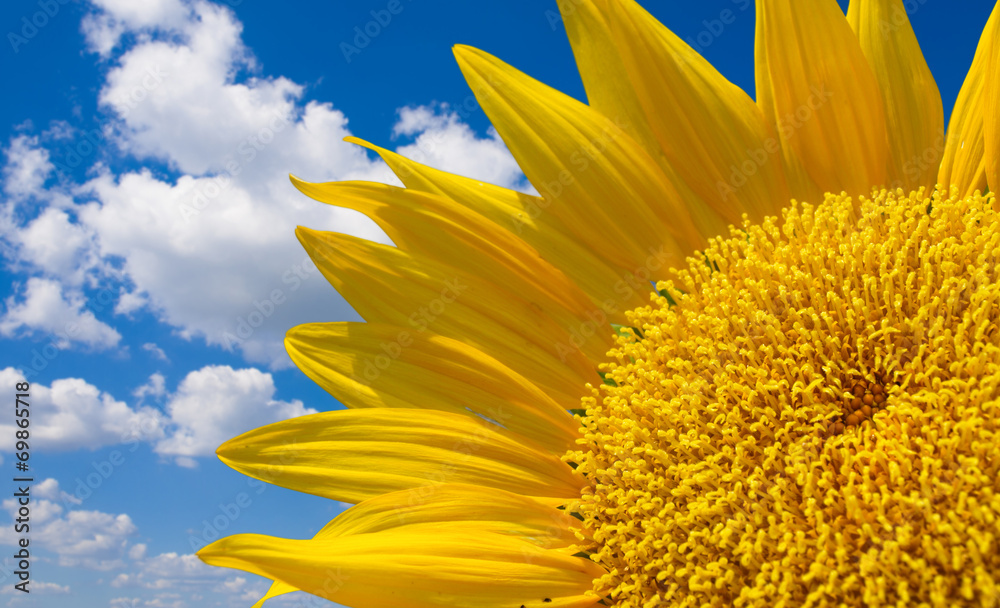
(300,184)
(466,55)
(210,552)
(224,453)
(352,139)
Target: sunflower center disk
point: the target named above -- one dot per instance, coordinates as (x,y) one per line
(815,417)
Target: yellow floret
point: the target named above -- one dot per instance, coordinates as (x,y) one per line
(809,416)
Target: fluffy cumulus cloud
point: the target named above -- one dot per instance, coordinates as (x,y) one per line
(209,406)
(73,414)
(155,387)
(165,570)
(26,169)
(79,538)
(443,141)
(210,251)
(213,252)
(39,588)
(176,578)
(103,28)
(155,351)
(217,403)
(49,490)
(45,309)
(57,246)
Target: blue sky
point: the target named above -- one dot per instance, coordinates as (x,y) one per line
(146,215)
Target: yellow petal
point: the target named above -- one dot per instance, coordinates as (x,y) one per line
(711,132)
(913,111)
(456,508)
(609,90)
(527,332)
(587,168)
(378,365)
(614,289)
(991,105)
(815,87)
(438,228)
(351,455)
(964,162)
(277,588)
(438,569)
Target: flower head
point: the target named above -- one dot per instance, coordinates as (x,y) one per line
(804,412)
(811,412)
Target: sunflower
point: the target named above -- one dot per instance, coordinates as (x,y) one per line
(805,411)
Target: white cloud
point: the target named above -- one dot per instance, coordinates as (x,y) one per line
(155,351)
(101,33)
(56,245)
(72,414)
(49,490)
(45,308)
(215,404)
(88,539)
(178,100)
(27,167)
(103,28)
(211,405)
(210,274)
(204,251)
(177,577)
(155,387)
(234,585)
(174,565)
(138,551)
(39,587)
(444,142)
(212,253)
(208,251)
(170,571)
(175,94)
